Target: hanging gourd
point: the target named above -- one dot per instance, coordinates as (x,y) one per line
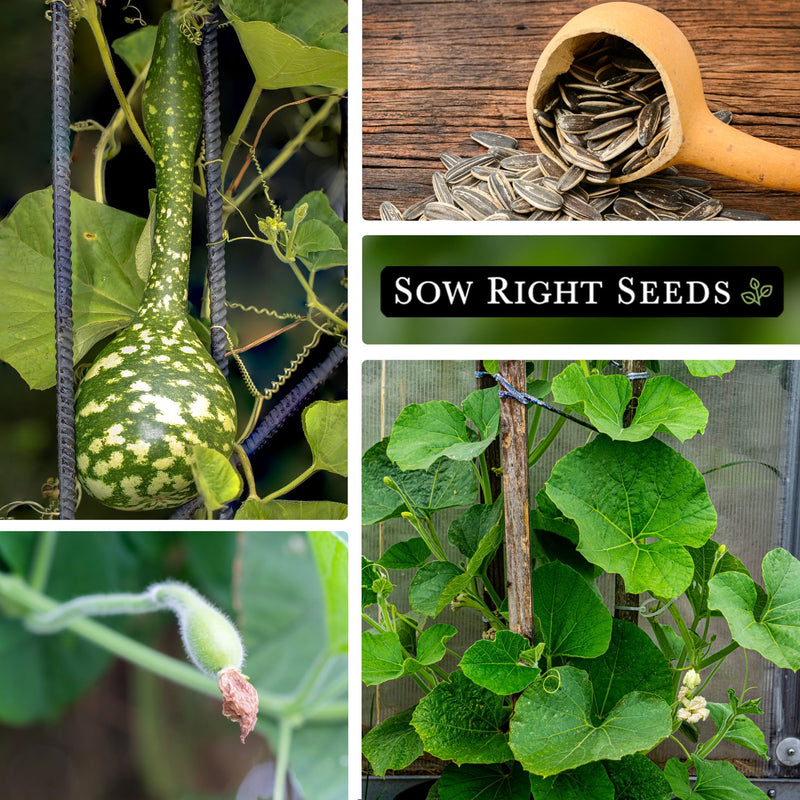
(154,393)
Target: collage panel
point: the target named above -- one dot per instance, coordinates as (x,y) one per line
(604,111)
(578,578)
(124,652)
(194,258)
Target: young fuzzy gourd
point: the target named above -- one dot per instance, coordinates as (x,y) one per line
(154,393)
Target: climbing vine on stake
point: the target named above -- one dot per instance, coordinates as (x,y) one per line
(575,715)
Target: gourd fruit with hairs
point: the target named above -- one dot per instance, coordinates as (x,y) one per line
(154,393)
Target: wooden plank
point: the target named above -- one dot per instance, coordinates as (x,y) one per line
(435,70)
(514,445)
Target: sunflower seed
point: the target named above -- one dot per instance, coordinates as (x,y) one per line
(492,139)
(445,211)
(539,196)
(570,179)
(706,210)
(389,211)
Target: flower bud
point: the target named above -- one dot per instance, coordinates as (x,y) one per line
(691,679)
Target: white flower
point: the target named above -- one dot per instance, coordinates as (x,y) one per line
(691,679)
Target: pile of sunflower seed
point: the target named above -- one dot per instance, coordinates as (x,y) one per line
(608,116)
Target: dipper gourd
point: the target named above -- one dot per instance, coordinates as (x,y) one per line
(154,393)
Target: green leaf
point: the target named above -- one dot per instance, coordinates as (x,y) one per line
(291,509)
(136,48)
(665,405)
(552,729)
(703,558)
(669,641)
(467,531)
(705,369)
(774,631)
(484,782)
(743,732)
(426,432)
(369,574)
(462,722)
(106,288)
(444,485)
(572,618)
(216,479)
(637,506)
(325,428)
(716,780)
(330,553)
(495,664)
(384,659)
(482,408)
(587,781)
(392,744)
(636,777)
(293,45)
(290,652)
(434,586)
(321,239)
(410,554)
(631,663)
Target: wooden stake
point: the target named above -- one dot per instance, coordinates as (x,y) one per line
(514,444)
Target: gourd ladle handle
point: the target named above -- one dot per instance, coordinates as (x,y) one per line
(696,136)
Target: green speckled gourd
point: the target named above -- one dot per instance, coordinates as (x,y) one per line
(154,392)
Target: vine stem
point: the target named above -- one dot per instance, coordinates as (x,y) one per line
(43,559)
(90,13)
(241,126)
(285,731)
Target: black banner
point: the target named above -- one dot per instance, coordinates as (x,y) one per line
(471,291)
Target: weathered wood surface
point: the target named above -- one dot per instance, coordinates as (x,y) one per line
(436,70)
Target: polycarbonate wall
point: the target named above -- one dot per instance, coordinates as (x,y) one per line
(752,420)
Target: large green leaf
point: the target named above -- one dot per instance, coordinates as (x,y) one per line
(41,675)
(462,722)
(291,652)
(294,45)
(705,369)
(636,777)
(444,485)
(330,553)
(704,558)
(136,48)
(637,506)
(321,239)
(631,663)
(587,781)
(774,630)
(425,432)
(716,780)
(325,428)
(484,782)
(553,730)
(383,658)
(743,732)
(216,479)
(572,619)
(434,586)
(291,509)
(665,404)
(467,531)
(497,664)
(410,554)
(392,744)
(482,408)
(106,288)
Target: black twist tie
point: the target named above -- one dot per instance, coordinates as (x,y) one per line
(62,258)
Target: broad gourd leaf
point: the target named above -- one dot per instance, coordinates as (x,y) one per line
(434,586)
(467,531)
(484,781)
(496,664)
(426,432)
(392,744)
(136,48)
(106,289)
(705,369)
(383,657)
(215,478)
(571,617)
(638,505)
(325,428)
(716,780)
(295,45)
(463,722)
(630,663)
(369,574)
(636,777)
(587,781)
(482,408)
(284,624)
(743,732)
(409,554)
(553,729)
(330,553)
(774,630)
(291,509)
(444,485)
(321,239)
(665,405)
(703,558)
